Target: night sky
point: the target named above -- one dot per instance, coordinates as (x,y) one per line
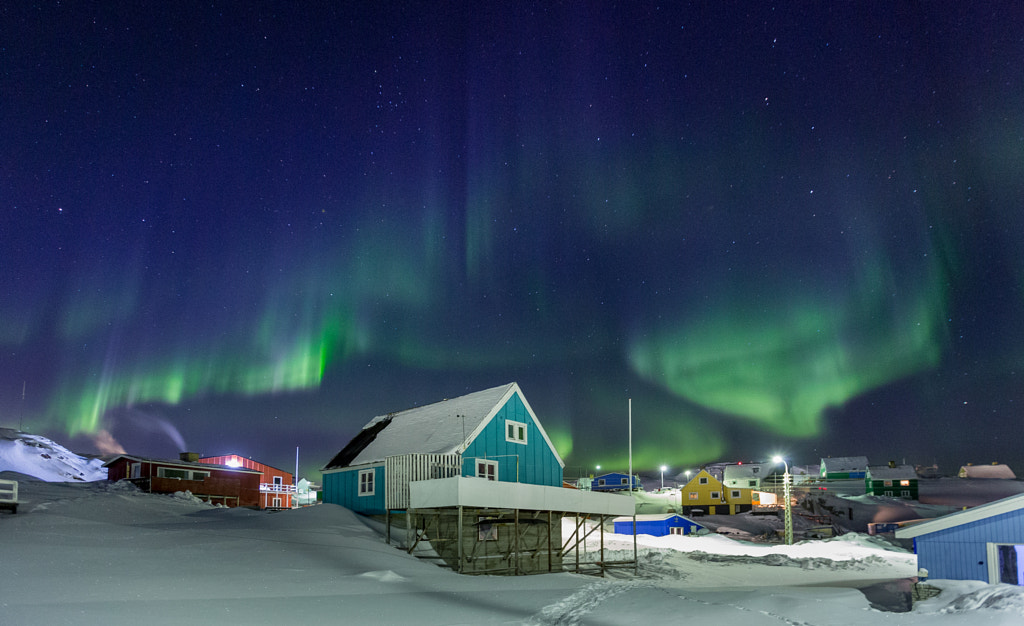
(250,227)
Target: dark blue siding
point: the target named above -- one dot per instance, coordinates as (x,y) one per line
(533,463)
(960,553)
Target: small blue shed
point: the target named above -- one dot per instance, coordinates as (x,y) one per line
(657,525)
(983,543)
(614,481)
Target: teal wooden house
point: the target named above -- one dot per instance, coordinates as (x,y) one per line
(491,434)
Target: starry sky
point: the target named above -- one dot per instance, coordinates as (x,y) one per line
(250,227)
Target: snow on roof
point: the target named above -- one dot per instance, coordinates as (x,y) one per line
(884,472)
(440,428)
(179,463)
(747,471)
(985,511)
(844,463)
(996,470)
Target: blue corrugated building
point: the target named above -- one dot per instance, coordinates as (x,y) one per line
(657,525)
(492,434)
(983,543)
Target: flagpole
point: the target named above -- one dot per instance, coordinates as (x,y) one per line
(636,567)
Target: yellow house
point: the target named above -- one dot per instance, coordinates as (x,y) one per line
(706,493)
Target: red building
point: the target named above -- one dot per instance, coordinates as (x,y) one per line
(216,484)
(277,487)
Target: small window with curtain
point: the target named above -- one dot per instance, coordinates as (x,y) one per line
(487,469)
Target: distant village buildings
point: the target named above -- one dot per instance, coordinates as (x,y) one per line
(994,470)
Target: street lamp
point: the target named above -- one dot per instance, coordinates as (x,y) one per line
(786,496)
(663,468)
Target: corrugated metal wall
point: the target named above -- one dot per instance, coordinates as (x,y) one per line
(960,553)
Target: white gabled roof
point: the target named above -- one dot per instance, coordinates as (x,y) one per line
(443,427)
(845,463)
(996,470)
(884,472)
(1006,505)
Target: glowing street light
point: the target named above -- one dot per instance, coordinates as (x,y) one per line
(663,468)
(786,496)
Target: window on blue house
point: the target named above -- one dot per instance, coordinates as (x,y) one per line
(366,486)
(515,431)
(487,469)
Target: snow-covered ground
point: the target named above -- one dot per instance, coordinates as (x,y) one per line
(91,553)
(82,552)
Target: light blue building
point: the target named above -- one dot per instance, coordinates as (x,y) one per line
(491,434)
(983,543)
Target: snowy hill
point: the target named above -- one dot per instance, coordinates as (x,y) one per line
(47,460)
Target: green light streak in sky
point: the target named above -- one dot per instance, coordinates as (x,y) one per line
(658,439)
(782,364)
(292,366)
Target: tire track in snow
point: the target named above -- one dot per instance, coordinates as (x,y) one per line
(571,609)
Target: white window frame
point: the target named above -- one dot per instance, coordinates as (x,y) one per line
(623,481)
(492,465)
(735,493)
(367,487)
(485,531)
(703,480)
(600,482)
(716,495)
(518,434)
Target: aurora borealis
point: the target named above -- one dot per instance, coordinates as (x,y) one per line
(246,229)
